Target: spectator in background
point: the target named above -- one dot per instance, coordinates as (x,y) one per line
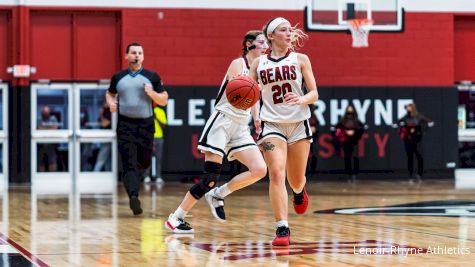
(160,118)
(349,131)
(411,128)
(103,162)
(87,149)
(314,146)
(47,156)
(47,121)
(1,113)
(84,118)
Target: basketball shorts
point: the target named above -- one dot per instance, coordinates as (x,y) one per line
(288,132)
(224,136)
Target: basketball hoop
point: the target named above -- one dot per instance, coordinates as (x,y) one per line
(359,31)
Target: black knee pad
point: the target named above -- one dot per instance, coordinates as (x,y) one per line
(209,180)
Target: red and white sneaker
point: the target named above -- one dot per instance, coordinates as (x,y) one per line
(282,236)
(300,201)
(178,226)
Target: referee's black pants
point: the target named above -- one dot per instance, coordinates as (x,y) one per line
(135,145)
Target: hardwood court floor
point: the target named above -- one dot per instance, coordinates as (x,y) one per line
(99,229)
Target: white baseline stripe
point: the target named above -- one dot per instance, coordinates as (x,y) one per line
(465,6)
(363,210)
(422,214)
(5,249)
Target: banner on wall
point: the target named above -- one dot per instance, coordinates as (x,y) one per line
(380,149)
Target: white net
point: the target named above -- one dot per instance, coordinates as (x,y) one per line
(359,31)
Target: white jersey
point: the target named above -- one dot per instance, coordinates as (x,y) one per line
(222,104)
(276,78)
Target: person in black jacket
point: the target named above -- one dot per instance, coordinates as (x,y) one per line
(313,160)
(411,128)
(349,131)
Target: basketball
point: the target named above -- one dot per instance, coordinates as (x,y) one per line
(242,92)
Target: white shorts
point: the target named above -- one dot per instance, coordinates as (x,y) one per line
(288,132)
(224,136)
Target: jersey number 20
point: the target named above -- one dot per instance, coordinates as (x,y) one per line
(278,92)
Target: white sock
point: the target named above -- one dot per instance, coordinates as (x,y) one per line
(222,191)
(179,213)
(281,223)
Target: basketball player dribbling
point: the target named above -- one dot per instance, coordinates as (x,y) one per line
(225,133)
(285,131)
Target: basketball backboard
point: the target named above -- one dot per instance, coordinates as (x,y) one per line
(333,15)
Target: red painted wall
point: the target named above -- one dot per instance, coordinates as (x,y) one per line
(5,43)
(51,46)
(74,45)
(464,46)
(194,47)
(97,53)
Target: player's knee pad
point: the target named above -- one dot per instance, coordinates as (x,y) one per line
(207,183)
(209,180)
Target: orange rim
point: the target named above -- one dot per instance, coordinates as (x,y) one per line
(357,23)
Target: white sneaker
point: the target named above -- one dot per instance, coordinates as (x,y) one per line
(147,179)
(178,226)
(159,180)
(216,205)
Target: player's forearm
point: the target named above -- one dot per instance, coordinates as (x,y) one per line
(310,98)
(255,111)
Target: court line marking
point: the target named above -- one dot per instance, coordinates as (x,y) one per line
(24,252)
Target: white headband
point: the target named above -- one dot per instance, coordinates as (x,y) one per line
(274,23)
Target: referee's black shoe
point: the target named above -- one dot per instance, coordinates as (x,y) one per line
(134,204)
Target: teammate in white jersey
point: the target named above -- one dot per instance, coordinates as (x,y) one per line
(226,133)
(285,131)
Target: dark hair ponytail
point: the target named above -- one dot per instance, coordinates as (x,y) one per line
(249,37)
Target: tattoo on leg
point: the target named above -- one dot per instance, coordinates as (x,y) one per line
(267,146)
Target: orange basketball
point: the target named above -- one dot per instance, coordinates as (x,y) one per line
(242,92)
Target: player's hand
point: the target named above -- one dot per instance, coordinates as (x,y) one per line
(293,99)
(148,89)
(113,106)
(257,126)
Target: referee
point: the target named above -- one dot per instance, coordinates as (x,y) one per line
(131,93)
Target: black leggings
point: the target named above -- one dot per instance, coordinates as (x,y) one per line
(414,147)
(135,145)
(348,149)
